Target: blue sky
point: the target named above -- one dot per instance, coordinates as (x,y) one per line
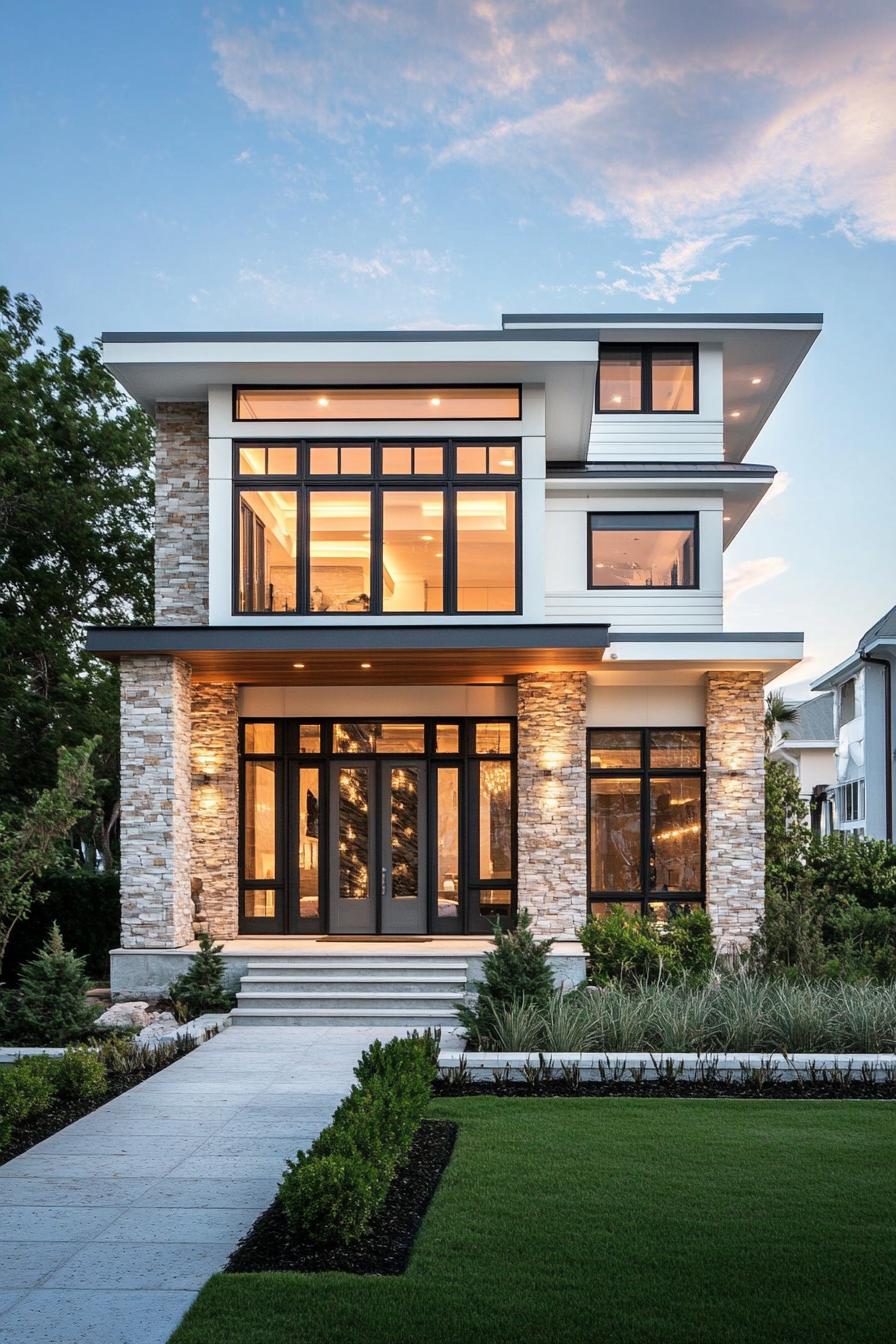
(353,163)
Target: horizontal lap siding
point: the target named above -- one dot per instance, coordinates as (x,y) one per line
(638,610)
(638,438)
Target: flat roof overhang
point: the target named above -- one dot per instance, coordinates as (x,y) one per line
(742,485)
(332,655)
(768,652)
(761,353)
(158,366)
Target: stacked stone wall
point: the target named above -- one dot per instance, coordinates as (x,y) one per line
(735,806)
(552,800)
(181,517)
(214,811)
(155,802)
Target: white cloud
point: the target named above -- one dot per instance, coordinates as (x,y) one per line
(383,263)
(243,157)
(676,270)
(778,486)
(684,121)
(740,578)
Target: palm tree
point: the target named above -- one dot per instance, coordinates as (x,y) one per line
(778,712)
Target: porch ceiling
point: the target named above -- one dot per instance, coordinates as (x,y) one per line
(333,656)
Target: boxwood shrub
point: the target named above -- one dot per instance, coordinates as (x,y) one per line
(330,1193)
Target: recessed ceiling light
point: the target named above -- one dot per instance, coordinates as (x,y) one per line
(323,401)
(426,537)
(726,517)
(506,462)
(439,555)
(366,665)
(755,381)
(435,401)
(617,400)
(735,415)
(298,664)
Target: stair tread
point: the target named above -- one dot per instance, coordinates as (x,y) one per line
(373,998)
(338,1012)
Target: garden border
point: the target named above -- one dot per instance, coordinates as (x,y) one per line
(644,1065)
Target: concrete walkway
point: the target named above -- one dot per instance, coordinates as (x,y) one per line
(109,1229)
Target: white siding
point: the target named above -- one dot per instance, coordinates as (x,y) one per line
(567,596)
(667,438)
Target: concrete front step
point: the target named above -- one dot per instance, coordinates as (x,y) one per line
(291,1002)
(345,984)
(387,1018)
(414,989)
(359,965)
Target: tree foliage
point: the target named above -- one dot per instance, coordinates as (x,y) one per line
(75,550)
(51,1007)
(30,837)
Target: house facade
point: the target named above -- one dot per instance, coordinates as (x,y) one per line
(807,746)
(859,800)
(439,628)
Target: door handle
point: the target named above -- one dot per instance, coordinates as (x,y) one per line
(383,882)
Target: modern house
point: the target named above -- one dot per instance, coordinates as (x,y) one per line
(860,802)
(807,746)
(439,632)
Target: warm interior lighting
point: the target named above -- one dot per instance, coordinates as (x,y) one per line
(726,517)
(366,665)
(617,400)
(735,415)
(323,401)
(298,664)
(435,401)
(755,381)
(472,402)
(426,537)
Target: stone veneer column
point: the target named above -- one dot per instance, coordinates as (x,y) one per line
(214,813)
(552,816)
(735,805)
(155,802)
(181,521)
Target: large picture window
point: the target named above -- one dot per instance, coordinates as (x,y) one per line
(474,402)
(655,379)
(646,791)
(357,528)
(642,550)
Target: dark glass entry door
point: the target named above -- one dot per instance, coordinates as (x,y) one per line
(377,841)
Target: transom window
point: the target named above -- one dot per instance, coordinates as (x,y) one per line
(642,550)
(659,379)
(377,527)
(645,819)
(476,402)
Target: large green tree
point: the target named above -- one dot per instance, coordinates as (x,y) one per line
(75,550)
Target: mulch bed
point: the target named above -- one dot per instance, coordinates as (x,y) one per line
(776,1090)
(386,1249)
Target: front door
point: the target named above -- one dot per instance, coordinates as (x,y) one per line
(378,847)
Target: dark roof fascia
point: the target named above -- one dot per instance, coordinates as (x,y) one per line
(605,470)
(677,319)
(176,639)
(338,337)
(709,637)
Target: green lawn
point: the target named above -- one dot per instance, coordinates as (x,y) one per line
(622,1220)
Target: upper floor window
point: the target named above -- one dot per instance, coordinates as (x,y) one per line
(660,379)
(848,701)
(476,402)
(374,527)
(642,550)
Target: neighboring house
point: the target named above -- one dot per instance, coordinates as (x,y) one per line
(860,802)
(439,629)
(807,745)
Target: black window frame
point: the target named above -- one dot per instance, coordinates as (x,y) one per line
(237,388)
(646,351)
(645,773)
(287,757)
(448,482)
(650,515)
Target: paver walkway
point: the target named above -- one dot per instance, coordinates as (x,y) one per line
(109,1229)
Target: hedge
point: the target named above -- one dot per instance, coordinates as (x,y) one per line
(331,1193)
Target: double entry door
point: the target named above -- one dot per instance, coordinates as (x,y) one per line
(377,847)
